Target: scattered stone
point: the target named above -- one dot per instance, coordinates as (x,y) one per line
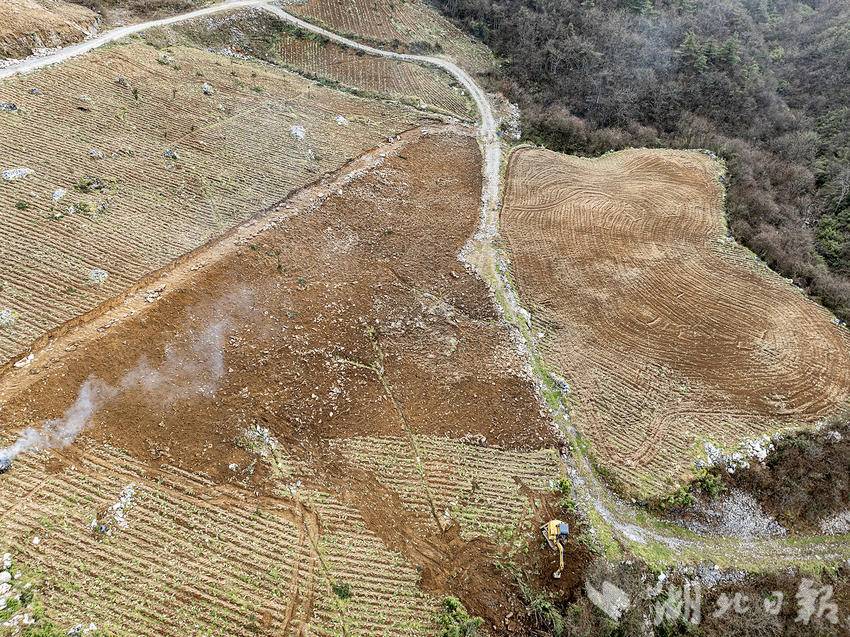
(8,107)
(36,91)
(297,131)
(259,440)
(14,174)
(511,123)
(58,194)
(124,503)
(7,561)
(7,318)
(122,81)
(170,153)
(97,276)
(737,514)
(5,577)
(756,449)
(341,120)
(207,89)
(837,524)
(36,541)
(25,361)
(154,294)
(165,58)
(96,153)
(560,382)
(833,436)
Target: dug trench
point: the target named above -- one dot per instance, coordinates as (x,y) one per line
(354,319)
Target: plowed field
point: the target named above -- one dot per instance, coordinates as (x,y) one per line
(408,23)
(133,165)
(668,332)
(394,429)
(260,34)
(399,80)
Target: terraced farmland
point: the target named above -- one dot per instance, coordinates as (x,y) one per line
(29,25)
(258,33)
(668,332)
(370,424)
(405,81)
(411,23)
(132,157)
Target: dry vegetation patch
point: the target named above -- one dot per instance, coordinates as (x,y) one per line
(258,33)
(401,80)
(405,23)
(134,156)
(667,331)
(29,25)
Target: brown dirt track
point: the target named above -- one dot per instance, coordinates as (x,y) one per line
(369,272)
(668,333)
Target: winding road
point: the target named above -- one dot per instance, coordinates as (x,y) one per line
(661,543)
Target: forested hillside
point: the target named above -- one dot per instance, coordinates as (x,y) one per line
(763,83)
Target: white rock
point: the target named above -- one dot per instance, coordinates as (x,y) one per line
(13,174)
(98,276)
(36,541)
(58,194)
(297,131)
(5,577)
(5,588)
(26,360)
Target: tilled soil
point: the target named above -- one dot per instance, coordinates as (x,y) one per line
(668,333)
(353,319)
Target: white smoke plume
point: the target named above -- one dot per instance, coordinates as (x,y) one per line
(62,431)
(187,370)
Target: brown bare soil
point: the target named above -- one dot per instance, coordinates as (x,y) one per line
(29,25)
(100,127)
(303,300)
(668,333)
(412,25)
(381,369)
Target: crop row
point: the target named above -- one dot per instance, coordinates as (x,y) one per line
(668,332)
(411,23)
(132,165)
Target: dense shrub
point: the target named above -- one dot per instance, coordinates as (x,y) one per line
(763,83)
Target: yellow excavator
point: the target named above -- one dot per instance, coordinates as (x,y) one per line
(556,533)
